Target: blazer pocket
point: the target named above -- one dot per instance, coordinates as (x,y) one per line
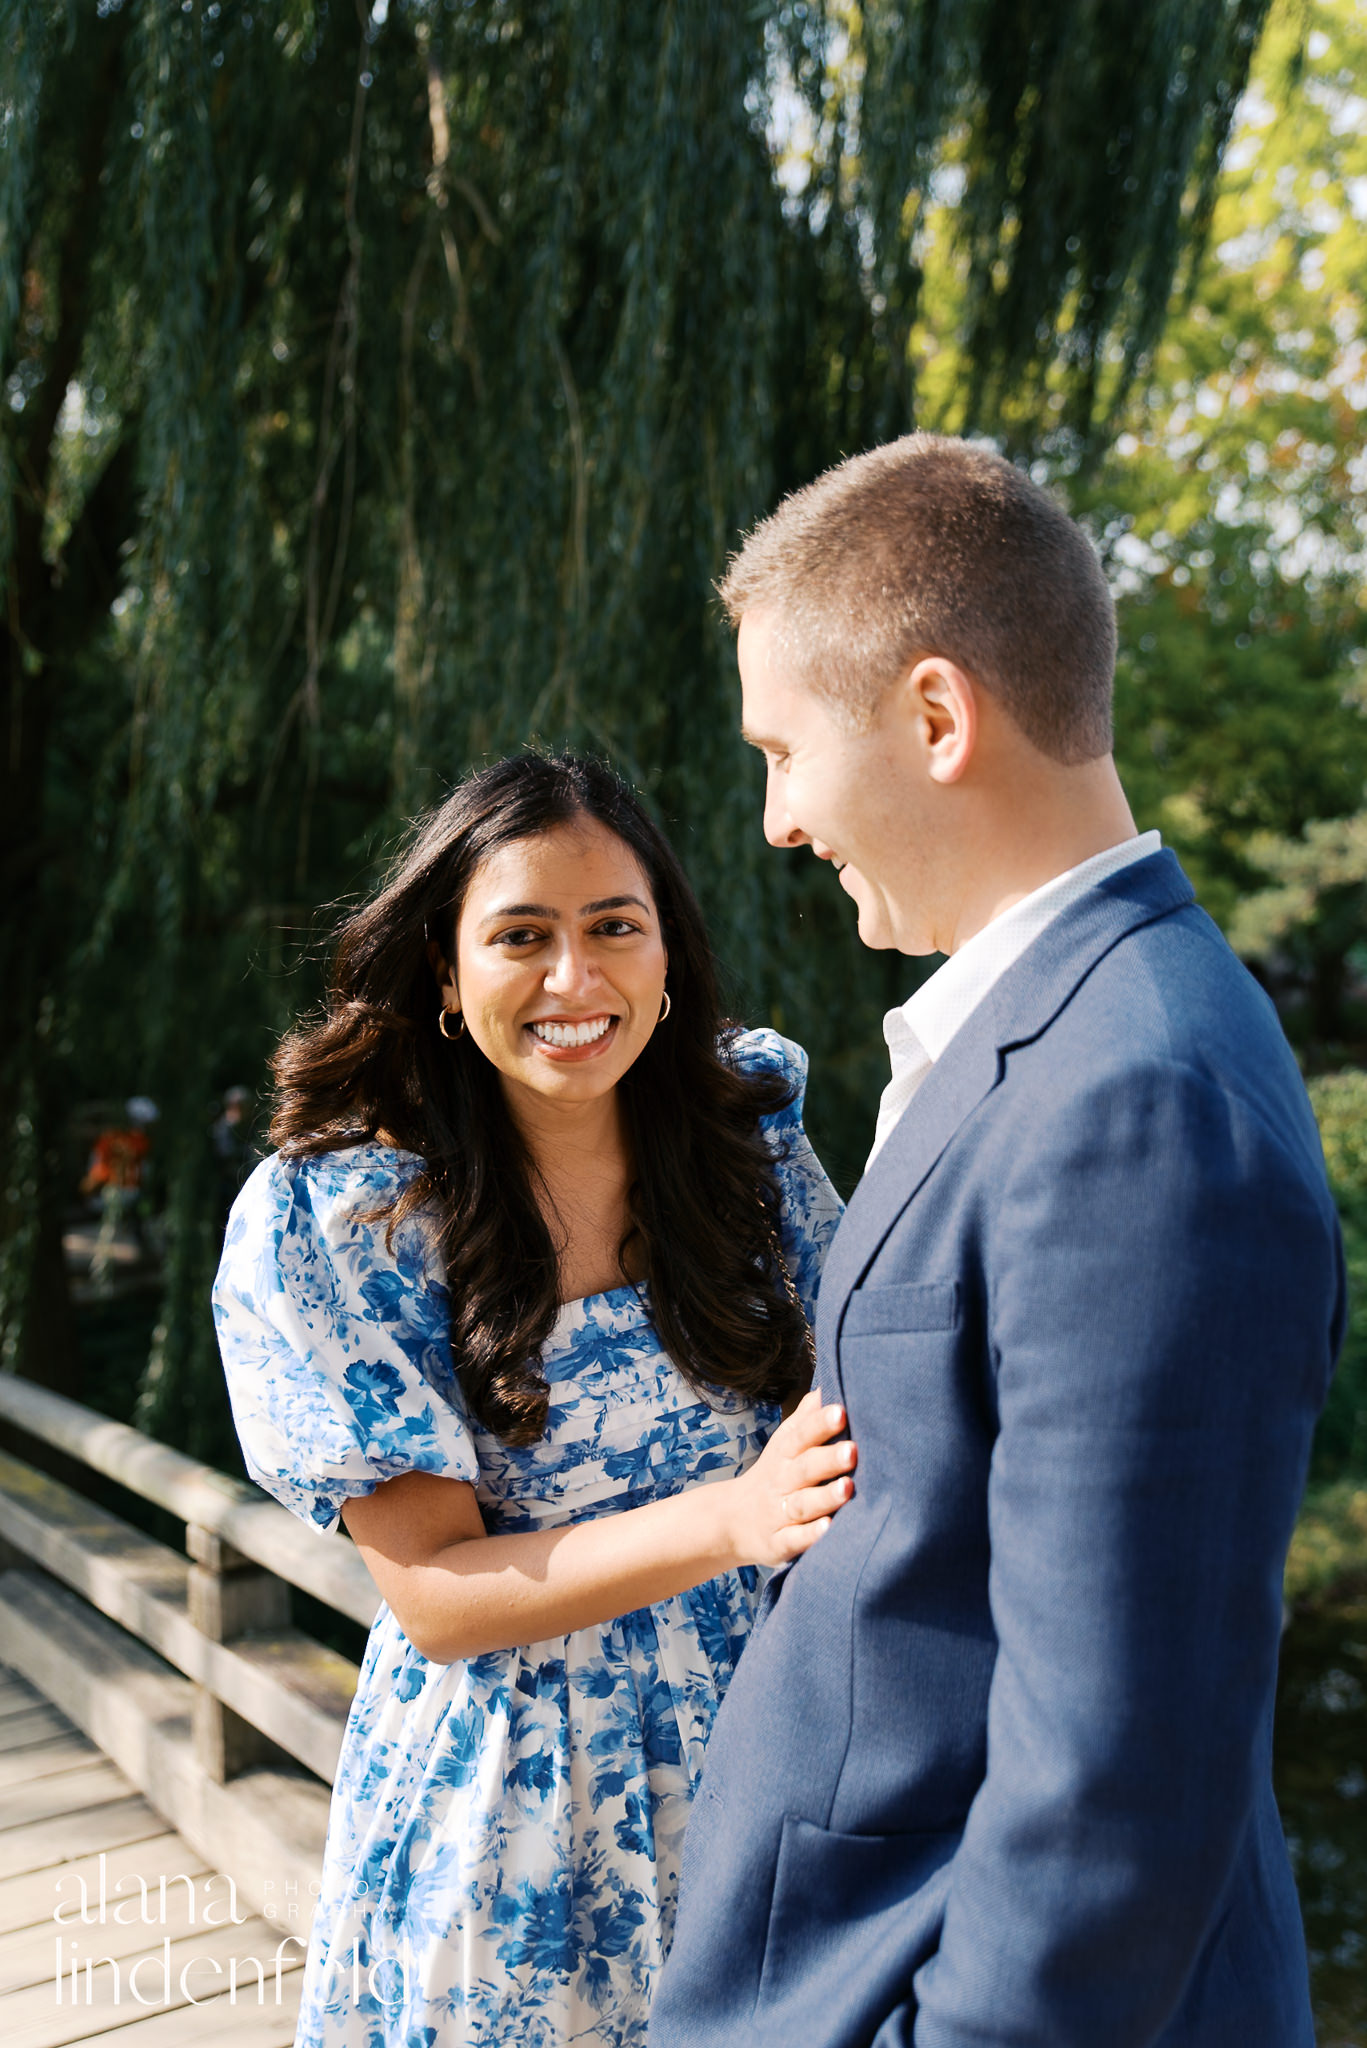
(845,1908)
(890,1311)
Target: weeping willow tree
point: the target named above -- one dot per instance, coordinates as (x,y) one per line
(384,387)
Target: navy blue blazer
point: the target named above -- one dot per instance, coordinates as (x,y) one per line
(996,1765)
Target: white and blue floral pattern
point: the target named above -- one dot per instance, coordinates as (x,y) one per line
(503,1851)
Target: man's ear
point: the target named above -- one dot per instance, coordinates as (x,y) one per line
(941,700)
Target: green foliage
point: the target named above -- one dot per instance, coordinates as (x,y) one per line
(1080,145)
(1235,725)
(1329,1548)
(1341,1438)
(1340,1102)
(1309,922)
(1231,512)
(384,388)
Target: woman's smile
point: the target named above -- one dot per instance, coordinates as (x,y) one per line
(560,966)
(565,1039)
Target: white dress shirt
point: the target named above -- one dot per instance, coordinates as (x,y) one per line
(919,1031)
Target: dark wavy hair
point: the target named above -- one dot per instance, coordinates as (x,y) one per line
(703,1205)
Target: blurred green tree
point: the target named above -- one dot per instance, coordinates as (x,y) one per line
(1233,518)
(1227,499)
(384,386)
(1341,1106)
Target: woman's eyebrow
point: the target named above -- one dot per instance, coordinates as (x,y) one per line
(520,910)
(548,910)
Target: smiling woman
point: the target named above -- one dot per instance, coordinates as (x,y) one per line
(658,1131)
(532,1264)
(562,982)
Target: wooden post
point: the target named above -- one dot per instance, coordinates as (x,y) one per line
(229,1596)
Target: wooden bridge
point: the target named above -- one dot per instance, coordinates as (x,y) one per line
(167,1741)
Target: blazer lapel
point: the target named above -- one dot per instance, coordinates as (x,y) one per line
(1016,1009)
(953,1088)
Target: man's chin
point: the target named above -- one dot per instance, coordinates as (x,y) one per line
(876,927)
(875,931)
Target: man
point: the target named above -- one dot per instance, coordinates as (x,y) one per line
(995,1768)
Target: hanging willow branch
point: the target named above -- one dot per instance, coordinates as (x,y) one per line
(439,361)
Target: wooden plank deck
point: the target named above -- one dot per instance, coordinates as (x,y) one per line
(175,1968)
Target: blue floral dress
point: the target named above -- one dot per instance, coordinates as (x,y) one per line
(503,1849)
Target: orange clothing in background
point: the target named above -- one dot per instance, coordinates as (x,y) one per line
(116,1161)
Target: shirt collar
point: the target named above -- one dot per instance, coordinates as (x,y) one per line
(923,1026)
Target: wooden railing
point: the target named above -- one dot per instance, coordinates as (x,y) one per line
(182,1665)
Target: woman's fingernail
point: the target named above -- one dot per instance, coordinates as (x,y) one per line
(834,1412)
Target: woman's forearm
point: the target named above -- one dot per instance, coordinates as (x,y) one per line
(499,1592)
(457,1592)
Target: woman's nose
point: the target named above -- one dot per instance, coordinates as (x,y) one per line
(572,970)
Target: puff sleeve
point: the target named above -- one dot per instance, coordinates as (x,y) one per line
(811,1207)
(335,1348)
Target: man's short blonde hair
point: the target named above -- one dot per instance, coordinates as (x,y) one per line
(927,546)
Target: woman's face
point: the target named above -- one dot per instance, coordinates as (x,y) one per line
(560,962)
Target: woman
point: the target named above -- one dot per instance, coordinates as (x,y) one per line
(531,1264)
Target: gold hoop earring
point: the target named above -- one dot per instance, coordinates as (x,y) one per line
(442,1015)
(668,1006)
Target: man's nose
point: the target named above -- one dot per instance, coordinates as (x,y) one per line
(779,828)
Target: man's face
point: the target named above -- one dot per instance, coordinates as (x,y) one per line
(854,797)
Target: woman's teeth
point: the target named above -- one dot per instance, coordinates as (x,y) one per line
(571,1034)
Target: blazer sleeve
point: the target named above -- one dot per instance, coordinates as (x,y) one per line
(1163,1282)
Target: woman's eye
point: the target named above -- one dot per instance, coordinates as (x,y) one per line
(522,936)
(616,928)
